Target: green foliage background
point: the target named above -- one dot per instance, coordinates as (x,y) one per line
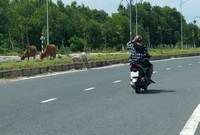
(23,21)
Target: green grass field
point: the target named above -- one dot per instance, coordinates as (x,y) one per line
(37,63)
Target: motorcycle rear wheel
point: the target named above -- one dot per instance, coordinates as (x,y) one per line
(137,87)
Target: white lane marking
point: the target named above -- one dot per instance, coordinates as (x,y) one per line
(168,68)
(199,62)
(192,123)
(48,100)
(117,81)
(180,66)
(155,72)
(190,64)
(88,89)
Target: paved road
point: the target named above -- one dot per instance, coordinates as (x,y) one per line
(100,102)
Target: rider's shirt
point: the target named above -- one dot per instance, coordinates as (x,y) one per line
(138,52)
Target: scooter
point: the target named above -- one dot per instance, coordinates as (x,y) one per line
(138,77)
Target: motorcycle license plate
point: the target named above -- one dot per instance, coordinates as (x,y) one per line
(134,74)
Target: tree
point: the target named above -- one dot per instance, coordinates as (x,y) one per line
(23,21)
(76,44)
(93,34)
(121,28)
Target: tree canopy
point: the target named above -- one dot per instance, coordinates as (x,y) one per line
(23,21)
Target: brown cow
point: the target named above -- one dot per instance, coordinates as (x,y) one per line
(30,51)
(50,50)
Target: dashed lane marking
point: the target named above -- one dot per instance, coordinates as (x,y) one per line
(190,64)
(192,123)
(155,72)
(48,100)
(117,81)
(180,66)
(88,89)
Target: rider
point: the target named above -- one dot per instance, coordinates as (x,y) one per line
(138,54)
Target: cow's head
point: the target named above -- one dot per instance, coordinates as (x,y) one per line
(22,57)
(41,56)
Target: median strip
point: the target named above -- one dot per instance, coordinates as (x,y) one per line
(70,66)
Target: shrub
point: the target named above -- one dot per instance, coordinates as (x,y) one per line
(76,44)
(2,51)
(178,45)
(59,57)
(18,51)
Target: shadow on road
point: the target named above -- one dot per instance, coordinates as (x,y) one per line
(154,91)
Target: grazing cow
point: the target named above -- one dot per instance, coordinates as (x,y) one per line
(50,50)
(82,57)
(30,51)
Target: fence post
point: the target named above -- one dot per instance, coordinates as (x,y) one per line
(42,38)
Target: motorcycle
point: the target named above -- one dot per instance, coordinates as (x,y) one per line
(138,77)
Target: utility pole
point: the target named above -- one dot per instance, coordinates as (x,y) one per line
(136,18)
(47,25)
(181,3)
(130,5)
(131,33)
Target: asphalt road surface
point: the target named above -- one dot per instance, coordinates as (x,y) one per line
(101,102)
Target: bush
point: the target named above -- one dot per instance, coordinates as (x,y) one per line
(2,51)
(178,45)
(61,51)
(19,51)
(59,57)
(76,44)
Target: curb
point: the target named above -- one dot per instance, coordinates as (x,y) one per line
(65,67)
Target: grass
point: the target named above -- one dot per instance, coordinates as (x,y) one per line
(46,62)
(157,52)
(108,57)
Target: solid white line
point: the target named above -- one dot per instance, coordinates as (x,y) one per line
(88,89)
(49,100)
(168,68)
(155,72)
(192,123)
(180,66)
(117,81)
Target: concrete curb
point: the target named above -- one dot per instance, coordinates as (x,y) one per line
(65,67)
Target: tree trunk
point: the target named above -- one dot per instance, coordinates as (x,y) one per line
(27,36)
(11,42)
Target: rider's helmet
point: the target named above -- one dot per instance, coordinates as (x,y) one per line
(138,38)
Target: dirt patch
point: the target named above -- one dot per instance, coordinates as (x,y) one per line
(6,80)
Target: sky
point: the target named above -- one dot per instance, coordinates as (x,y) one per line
(190,8)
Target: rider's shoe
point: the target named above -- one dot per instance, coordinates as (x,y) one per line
(151,81)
